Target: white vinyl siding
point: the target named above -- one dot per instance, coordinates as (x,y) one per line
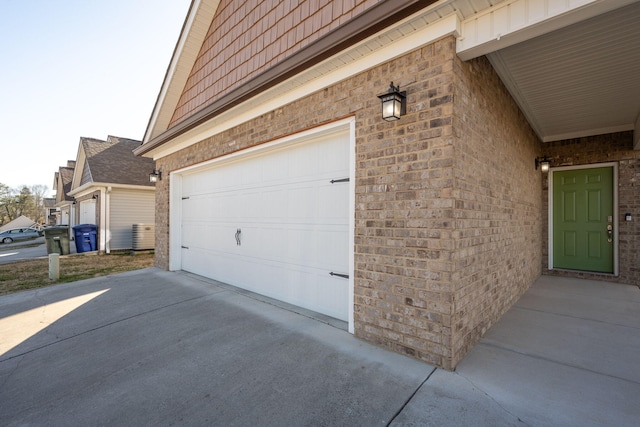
(128,207)
(86,174)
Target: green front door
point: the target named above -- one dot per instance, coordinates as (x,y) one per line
(583,219)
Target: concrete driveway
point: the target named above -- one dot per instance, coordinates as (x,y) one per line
(158,348)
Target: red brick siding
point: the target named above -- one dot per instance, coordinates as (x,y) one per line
(249,37)
(617,147)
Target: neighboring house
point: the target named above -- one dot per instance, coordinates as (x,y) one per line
(280,176)
(111,189)
(20,222)
(64,203)
(50,211)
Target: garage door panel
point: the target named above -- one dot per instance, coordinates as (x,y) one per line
(333,201)
(337,243)
(303,247)
(273,205)
(325,247)
(314,289)
(293,221)
(300,206)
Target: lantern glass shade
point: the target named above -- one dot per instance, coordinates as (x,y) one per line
(391,106)
(394,103)
(543,163)
(544,167)
(154,176)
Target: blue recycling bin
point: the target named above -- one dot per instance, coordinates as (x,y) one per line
(85,235)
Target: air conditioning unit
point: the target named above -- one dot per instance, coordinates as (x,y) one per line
(144,237)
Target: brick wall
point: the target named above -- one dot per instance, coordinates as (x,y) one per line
(404,210)
(616,147)
(497,225)
(249,37)
(441,248)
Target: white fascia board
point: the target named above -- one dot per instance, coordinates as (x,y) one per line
(79,169)
(90,187)
(515,21)
(84,189)
(63,204)
(343,66)
(185,54)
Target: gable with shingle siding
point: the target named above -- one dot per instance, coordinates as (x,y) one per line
(247,38)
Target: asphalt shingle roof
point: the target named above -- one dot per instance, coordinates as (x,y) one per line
(113,161)
(65,174)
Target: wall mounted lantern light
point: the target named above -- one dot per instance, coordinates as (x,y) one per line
(394,103)
(155,176)
(543,163)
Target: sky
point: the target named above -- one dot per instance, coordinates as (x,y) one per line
(78,68)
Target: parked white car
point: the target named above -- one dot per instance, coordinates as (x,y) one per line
(16,234)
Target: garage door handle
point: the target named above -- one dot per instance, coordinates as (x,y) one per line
(238,232)
(346,276)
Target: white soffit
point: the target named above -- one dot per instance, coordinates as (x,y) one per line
(184,57)
(514,21)
(580,80)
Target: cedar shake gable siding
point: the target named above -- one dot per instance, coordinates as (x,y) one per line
(447,202)
(366,23)
(247,38)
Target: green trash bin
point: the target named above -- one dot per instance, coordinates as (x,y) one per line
(57,239)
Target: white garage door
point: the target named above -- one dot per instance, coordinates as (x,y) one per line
(274,223)
(88,212)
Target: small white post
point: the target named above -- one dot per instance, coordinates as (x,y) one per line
(54,266)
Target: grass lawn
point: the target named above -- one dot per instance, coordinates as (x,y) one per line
(23,275)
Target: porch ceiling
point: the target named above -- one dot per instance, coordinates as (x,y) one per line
(581,80)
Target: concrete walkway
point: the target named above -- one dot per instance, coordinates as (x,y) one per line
(158,348)
(566,354)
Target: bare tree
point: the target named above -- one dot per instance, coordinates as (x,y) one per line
(27,201)
(6,196)
(39,193)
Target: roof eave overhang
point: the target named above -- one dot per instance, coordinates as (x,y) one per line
(185,53)
(95,186)
(375,19)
